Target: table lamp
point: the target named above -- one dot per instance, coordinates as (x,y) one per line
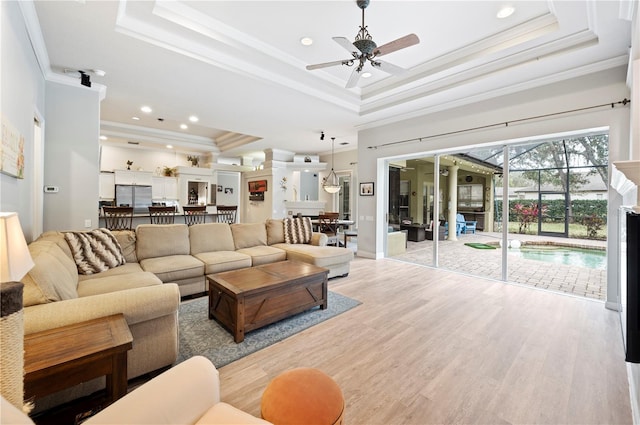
(15,262)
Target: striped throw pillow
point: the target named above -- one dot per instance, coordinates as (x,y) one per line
(95,251)
(297,230)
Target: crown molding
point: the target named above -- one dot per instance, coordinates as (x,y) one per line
(234,61)
(158,136)
(493,93)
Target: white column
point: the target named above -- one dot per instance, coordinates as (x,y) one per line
(453,202)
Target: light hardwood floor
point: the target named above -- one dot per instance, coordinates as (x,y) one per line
(431,346)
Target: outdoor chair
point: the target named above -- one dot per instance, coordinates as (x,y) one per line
(461,224)
(470,226)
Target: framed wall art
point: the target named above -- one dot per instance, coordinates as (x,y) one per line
(11,150)
(366,189)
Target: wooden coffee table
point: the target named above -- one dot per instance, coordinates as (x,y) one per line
(247,299)
(59,358)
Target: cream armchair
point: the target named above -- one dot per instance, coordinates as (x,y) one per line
(188,393)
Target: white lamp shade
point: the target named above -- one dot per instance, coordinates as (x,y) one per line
(15,260)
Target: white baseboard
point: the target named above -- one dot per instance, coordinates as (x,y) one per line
(612,306)
(633,394)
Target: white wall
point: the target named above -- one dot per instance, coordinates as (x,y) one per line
(601,88)
(116,157)
(22,91)
(229,180)
(71,156)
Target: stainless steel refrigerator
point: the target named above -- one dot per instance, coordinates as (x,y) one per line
(138,197)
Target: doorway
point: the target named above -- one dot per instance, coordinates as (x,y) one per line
(37,213)
(555,200)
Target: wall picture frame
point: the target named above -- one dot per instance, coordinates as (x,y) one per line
(366,189)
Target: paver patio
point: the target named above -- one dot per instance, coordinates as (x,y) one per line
(454,255)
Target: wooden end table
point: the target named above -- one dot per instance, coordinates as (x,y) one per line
(59,358)
(247,299)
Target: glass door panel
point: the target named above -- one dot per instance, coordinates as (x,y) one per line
(553,214)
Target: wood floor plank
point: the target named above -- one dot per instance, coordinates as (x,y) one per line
(432,346)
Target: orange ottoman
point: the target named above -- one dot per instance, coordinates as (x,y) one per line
(302,396)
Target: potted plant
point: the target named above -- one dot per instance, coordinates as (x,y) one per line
(168,171)
(194,159)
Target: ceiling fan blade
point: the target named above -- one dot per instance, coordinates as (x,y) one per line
(348,45)
(327,64)
(353,80)
(390,68)
(400,43)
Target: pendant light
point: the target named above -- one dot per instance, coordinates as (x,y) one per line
(331,184)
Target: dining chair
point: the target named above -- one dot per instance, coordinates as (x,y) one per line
(162,214)
(227,213)
(118,218)
(194,214)
(328,224)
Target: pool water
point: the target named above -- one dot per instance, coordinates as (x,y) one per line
(589,258)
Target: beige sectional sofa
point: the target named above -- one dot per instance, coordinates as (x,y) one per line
(56,295)
(163,263)
(186,254)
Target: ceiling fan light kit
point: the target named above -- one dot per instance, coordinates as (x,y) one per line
(366,50)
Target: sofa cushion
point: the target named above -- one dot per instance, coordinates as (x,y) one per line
(246,235)
(297,230)
(94,251)
(127,241)
(173,267)
(54,277)
(222,261)
(117,271)
(321,256)
(58,238)
(155,240)
(210,237)
(264,254)
(275,231)
(106,284)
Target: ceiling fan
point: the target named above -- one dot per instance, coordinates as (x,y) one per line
(367,50)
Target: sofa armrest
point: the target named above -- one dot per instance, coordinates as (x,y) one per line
(181,395)
(319,239)
(137,305)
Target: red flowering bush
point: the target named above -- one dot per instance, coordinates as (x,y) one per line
(526,214)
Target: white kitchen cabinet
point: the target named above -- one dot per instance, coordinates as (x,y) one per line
(107,189)
(139,178)
(164,188)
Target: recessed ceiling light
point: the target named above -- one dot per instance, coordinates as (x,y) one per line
(103,137)
(505,12)
(169,146)
(184,126)
(193,118)
(135,118)
(366,74)
(146,109)
(306,41)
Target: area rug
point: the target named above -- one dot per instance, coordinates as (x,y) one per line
(204,337)
(477,245)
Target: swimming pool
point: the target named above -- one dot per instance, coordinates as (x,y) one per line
(557,254)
